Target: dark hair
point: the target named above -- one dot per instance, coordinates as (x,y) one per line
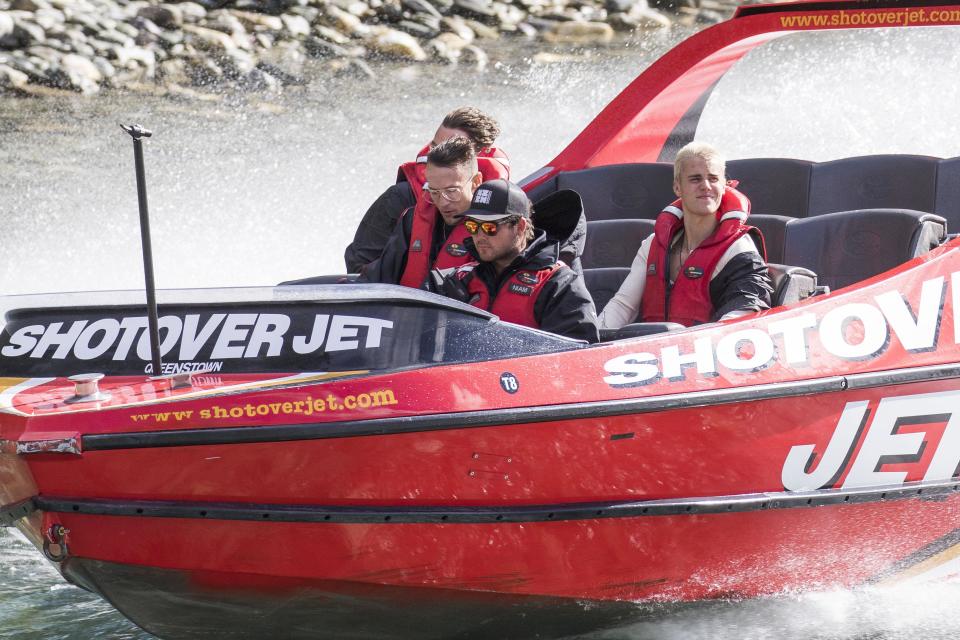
(481,128)
(453,153)
(531,232)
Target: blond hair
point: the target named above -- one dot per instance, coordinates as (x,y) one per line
(704,151)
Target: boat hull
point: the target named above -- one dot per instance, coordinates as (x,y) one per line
(597,511)
(523,579)
(191,604)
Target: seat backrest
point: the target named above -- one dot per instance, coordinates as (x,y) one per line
(849,246)
(603,283)
(873,182)
(540,191)
(639,190)
(614,243)
(774,230)
(948,192)
(776,186)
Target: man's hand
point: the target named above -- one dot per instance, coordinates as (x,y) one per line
(447,283)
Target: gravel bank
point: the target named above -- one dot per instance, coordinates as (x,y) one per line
(207,46)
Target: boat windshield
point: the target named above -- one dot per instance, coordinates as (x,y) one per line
(255,330)
(826,95)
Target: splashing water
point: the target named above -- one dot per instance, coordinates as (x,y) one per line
(248,193)
(822,96)
(245,193)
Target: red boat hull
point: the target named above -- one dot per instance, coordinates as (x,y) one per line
(416,580)
(583,520)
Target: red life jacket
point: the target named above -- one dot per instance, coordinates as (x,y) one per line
(689,298)
(515,300)
(425,215)
(451,254)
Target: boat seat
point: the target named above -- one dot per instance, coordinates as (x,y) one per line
(849,246)
(792,284)
(872,182)
(614,243)
(776,186)
(774,230)
(638,329)
(638,190)
(603,283)
(948,192)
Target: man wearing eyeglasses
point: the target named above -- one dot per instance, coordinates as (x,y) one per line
(430,235)
(517,274)
(382,216)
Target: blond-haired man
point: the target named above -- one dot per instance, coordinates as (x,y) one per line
(702,262)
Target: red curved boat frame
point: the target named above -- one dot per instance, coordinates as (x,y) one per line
(637,124)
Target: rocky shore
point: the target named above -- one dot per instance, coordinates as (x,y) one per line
(206,46)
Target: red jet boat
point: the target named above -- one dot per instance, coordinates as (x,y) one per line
(369,461)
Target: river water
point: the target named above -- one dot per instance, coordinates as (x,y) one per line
(249,190)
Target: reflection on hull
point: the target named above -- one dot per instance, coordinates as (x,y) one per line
(179,604)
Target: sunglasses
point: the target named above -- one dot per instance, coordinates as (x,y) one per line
(488,228)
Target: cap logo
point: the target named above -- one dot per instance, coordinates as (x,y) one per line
(482,196)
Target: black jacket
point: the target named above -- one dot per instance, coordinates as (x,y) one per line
(742,285)
(564,305)
(378,223)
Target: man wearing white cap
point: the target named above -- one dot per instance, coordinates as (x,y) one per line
(517,274)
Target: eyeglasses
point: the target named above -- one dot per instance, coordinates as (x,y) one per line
(450,194)
(488,228)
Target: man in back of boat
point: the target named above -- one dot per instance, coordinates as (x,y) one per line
(516,272)
(429,235)
(382,216)
(701,264)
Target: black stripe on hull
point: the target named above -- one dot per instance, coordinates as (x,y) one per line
(9,514)
(496,417)
(492,515)
(936,547)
